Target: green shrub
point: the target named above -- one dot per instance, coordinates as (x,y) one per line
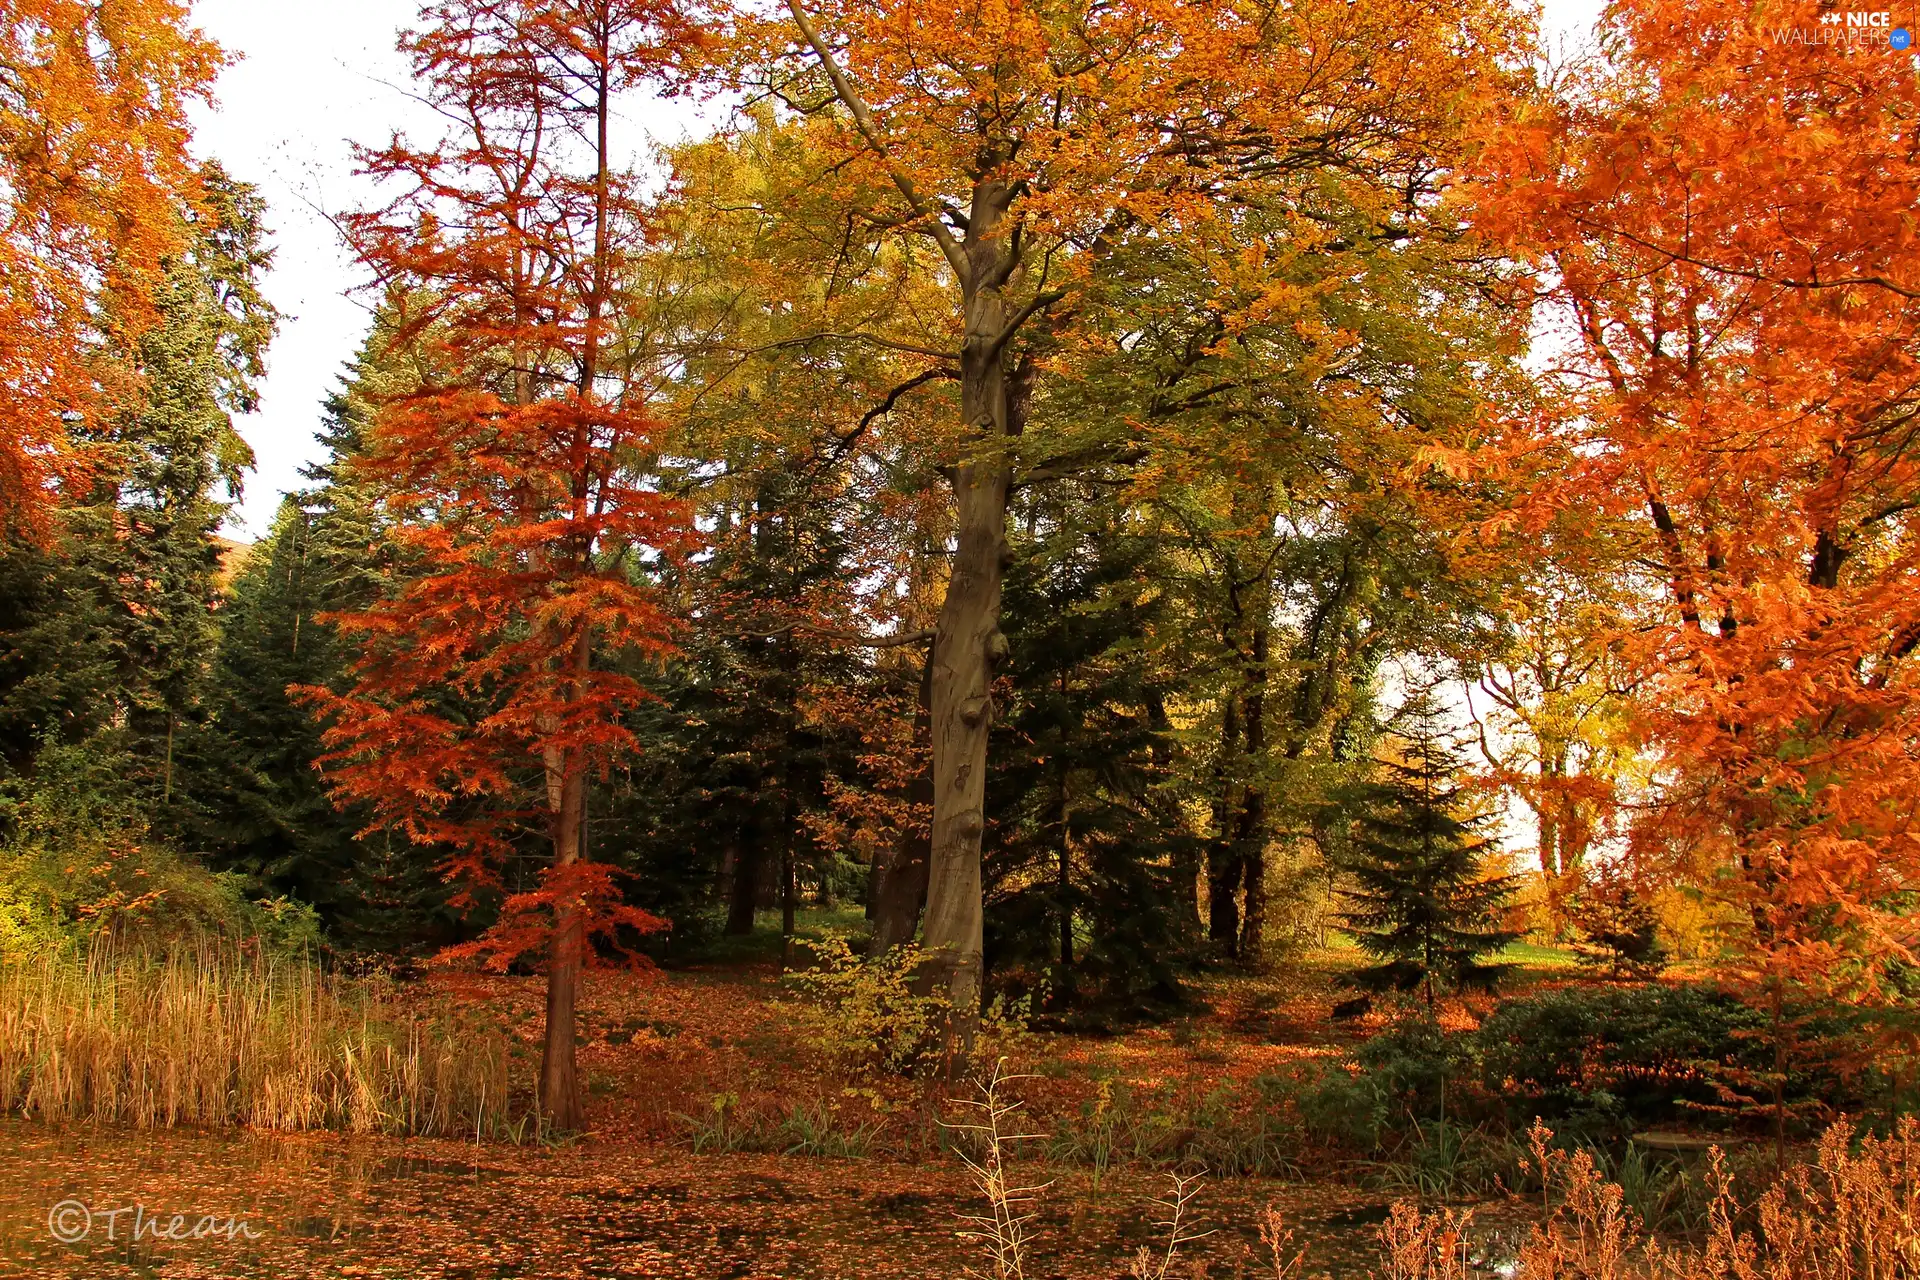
(79,866)
(1245,1133)
(1347,1108)
(815,1128)
(865,1015)
(1665,1194)
(1440,1160)
(1410,1074)
(1117,1124)
(1618,933)
(1599,1062)
(821,1129)
(724,1128)
(1231,1132)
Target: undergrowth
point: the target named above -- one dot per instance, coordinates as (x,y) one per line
(1852,1212)
(816,1128)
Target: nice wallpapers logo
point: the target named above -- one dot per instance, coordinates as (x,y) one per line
(1859,28)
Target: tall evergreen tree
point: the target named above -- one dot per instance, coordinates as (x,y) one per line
(260,806)
(114,627)
(719,803)
(1083,834)
(1423,903)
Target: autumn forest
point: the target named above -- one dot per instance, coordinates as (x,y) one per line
(1076,638)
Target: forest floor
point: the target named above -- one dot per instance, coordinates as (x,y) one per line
(633,1199)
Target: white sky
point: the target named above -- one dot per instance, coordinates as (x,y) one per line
(313,79)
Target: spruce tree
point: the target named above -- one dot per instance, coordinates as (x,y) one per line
(1084,832)
(1422,902)
(1617,930)
(260,806)
(723,800)
(113,628)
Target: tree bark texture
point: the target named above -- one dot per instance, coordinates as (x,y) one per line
(967,641)
(566,799)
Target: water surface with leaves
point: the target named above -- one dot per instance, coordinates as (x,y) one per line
(327,1206)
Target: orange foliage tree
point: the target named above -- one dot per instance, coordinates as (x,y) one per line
(1007,149)
(1726,222)
(94,164)
(517,464)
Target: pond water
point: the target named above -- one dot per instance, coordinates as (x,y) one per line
(95,1204)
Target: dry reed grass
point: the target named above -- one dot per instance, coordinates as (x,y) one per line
(1851,1213)
(217,1036)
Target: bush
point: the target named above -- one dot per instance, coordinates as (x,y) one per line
(1410,1074)
(1245,1133)
(1618,932)
(1602,1061)
(1230,1131)
(865,1015)
(1445,1161)
(817,1128)
(78,866)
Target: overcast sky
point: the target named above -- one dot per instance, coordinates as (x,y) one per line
(311,80)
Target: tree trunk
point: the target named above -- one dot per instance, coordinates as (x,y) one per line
(1224,872)
(1064,881)
(1552,864)
(967,638)
(966,641)
(745,895)
(729,868)
(901,886)
(789,667)
(1251,836)
(876,875)
(1224,877)
(789,885)
(1186,854)
(559,1084)
(1253,919)
(902,893)
(566,797)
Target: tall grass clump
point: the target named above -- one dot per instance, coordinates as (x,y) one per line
(220,1034)
(1852,1212)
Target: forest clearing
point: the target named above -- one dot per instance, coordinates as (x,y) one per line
(1031,638)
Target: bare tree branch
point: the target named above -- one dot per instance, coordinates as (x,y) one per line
(863,120)
(1040,302)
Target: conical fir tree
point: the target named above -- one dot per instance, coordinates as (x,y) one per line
(1422,903)
(263,809)
(1084,833)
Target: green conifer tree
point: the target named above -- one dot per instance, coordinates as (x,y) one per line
(260,807)
(112,630)
(1422,902)
(718,803)
(1084,832)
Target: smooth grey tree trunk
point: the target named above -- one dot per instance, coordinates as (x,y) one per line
(967,638)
